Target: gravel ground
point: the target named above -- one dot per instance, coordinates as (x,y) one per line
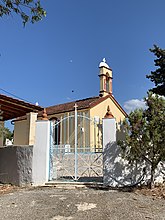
(50,203)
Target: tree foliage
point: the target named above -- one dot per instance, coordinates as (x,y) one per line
(29,10)
(158,76)
(5,133)
(145,134)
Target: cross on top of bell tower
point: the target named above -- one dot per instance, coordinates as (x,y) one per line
(104,64)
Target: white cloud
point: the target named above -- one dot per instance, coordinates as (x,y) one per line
(133,104)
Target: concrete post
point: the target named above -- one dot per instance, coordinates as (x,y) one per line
(31,119)
(40,171)
(109,147)
(109,131)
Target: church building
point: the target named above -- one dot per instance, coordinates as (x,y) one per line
(89,112)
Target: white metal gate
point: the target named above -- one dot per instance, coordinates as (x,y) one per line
(76,148)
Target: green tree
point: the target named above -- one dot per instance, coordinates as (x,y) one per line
(29,10)
(5,133)
(145,134)
(158,76)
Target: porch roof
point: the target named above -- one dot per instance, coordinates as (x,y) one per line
(12,108)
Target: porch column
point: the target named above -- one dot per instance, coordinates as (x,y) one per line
(31,120)
(40,166)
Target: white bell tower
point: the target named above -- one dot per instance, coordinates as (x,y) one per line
(105,78)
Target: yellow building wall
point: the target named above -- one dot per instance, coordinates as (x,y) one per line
(21,132)
(24,130)
(101,109)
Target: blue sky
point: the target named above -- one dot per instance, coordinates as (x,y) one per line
(45,61)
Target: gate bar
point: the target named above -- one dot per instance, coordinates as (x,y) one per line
(75,141)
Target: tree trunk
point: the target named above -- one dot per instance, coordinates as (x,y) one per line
(152,177)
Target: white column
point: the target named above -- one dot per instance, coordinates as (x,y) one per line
(109,149)
(109,131)
(40,166)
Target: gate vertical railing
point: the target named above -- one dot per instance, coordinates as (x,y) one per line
(51,152)
(80,157)
(76,162)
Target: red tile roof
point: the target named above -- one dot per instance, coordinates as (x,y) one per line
(69,106)
(82,104)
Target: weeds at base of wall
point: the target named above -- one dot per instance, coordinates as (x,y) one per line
(158,192)
(7,188)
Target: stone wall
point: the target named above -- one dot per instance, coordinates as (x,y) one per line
(16,165)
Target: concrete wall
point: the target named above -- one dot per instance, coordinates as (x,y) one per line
(16,165)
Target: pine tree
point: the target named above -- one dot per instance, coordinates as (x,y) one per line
(155,130)
(145,134)
(158,76)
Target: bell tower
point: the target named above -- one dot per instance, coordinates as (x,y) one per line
(105,78)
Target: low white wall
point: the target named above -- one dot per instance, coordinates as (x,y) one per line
(21,165)
(41,153)
(117,171)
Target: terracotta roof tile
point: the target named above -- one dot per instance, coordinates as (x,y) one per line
(69,106)
(82,104)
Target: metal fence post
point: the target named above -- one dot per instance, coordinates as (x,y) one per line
(76,162)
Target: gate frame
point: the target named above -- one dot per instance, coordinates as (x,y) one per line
(75,115)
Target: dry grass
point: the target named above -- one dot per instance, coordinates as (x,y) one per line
(157,192)
(7,188)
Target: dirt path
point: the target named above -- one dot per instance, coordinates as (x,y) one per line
(51,203)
